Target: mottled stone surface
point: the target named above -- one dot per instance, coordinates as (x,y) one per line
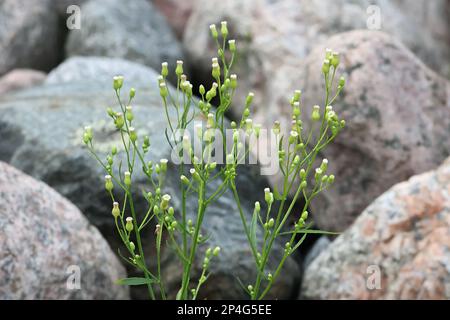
(135,31)
(20,79)
(271,34)
(397,113)
(405,233)
(28,35)
(41,133)
(176,12)
(45,240)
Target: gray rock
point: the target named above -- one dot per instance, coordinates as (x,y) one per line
(28,35)
(398,248)
(320,245)
(136,32)
(41,130)
(45,240)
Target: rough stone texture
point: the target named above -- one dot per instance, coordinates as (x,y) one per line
(397,113)
(41,236)
(62,5)
(176,12)
(102,70)
(271,34)
(19,79)
(320,245)
(136,32)
(41,134)
(405,232)
(28,35)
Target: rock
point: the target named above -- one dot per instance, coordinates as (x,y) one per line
(397,113)
(177,13)
(43,138)
(320,245)
(402,237)
(62,5)
(19,79)
(102,70)
(45,240)
(28,35)
(271,34)
(136,32)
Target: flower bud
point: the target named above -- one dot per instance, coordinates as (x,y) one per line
(302,174)
(257,130)
(330,179)
(132,93)
(249,99)
(326,66)
(171,211)
(115,210)
(315,116)
(341,82)
(276,127)
(132,246)
(201,89)
(117,82)
(216,251)
(210,121)
(119,121)
(230,159)
(224,29)
(133,134)
(214,32)
(127,179)
(271,223)
(114,150)
(129,113)
(108,183)
(293,137)
(233,81)
(163,165)
(129,224)
(163,92)
(179,68)
(257,207)
(215,71)
(304,216)
(335,59)
(268,196)
(297,95)
(248,124)
(165,202)
(232,45)
(164,69)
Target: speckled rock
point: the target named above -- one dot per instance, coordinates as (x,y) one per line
(403,237)
(28,27)
(271,34)
(136,32)
(19,79)
(176,12)
(397,113)
(45,240)
(41,133)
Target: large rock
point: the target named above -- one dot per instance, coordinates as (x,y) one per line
(176,12)
(271,34)
(28,35)
(135,32)
(45,241)
(397,113)
(41,134)
(19,79)
(402,237)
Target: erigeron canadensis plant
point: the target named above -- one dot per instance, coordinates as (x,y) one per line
(297,155)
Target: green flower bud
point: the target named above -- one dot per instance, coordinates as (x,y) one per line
(156,209)
(117,82)
(215,71)
(257,130)
(230,159)
(115,210)
(224,29)
(184,180)
(165,202)
(129,224)
(268,196)
(257,207)
(304,215)
(164,69)
(163,165)
(119,121)
(324,165)
(232,45)
(114,150)
(297,96)
(127,179)
(202,89)
(174,224)
(303,185)
(271,223)
(210,121)
(132,93)
(335,60)
(326,66)
(214,32)
(302,174)
(249,99)
(216,251)
(171,211)
(179,68)
(293,137)
(110,160)
(133,134)
(331,179)
(318,174)
(315,113)
(129,113)
(233,81)
(132,246)
(108,183)
(342,82)
(110,112)
(276,127)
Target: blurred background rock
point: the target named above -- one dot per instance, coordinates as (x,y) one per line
(396,103)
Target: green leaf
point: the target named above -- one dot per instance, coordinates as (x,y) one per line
(134,281)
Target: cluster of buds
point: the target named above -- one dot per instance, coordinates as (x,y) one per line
(209,254)
(332,59)
(87,135)
(321,177)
